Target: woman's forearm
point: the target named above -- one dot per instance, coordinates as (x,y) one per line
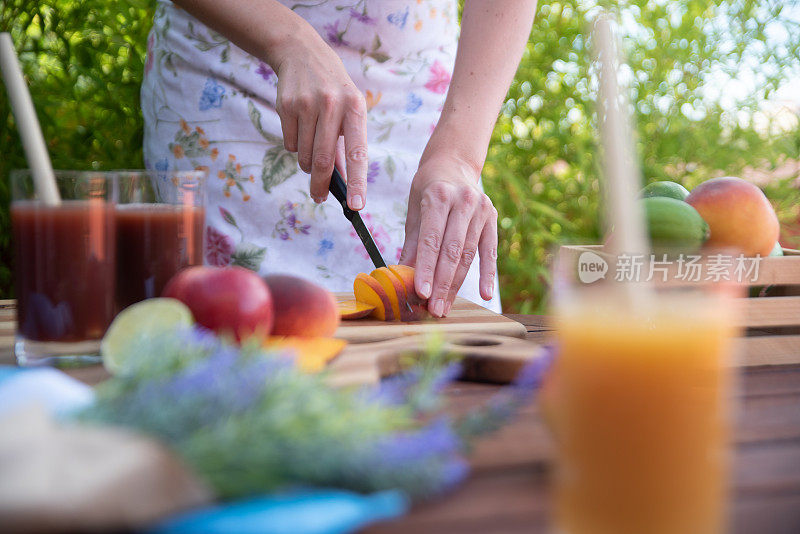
(493,37)
(265,29)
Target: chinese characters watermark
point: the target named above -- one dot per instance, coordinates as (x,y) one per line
(662,268)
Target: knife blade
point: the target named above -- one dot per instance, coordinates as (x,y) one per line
(339,190)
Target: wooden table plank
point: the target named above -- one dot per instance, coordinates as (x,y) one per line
(509,488)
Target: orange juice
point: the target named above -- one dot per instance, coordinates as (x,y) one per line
(641,414)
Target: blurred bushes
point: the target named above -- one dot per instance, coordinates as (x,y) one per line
(542,166)
(84,60)
(84,63)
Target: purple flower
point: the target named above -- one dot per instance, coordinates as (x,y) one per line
(436,439)
(295,225)
(334,36)
(400,388)
(361,16)
(453,473)
(265,71)
(284,235)
(504,405)
(373,171)
(219,247)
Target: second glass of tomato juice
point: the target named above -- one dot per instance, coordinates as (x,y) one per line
(160,224)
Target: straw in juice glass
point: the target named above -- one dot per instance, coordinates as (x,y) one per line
(28,125)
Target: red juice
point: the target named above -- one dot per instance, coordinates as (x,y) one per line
(154,241)
(64,268)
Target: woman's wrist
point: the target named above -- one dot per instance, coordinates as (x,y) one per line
(449,141)
(294,40)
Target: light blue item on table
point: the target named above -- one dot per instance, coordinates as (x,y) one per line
(323,511)
(49,388)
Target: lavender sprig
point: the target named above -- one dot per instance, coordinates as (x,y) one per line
(505,405)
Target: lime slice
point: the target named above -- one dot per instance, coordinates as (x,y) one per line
(143,319)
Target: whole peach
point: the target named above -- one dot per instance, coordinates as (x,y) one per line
(302,308)
(738,215)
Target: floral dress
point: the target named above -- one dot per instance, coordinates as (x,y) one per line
(209,105)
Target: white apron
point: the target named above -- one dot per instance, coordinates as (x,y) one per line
(208,104)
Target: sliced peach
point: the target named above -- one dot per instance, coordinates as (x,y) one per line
(353,309)
(419,307)
(395,290)
(311,353)
(369,291)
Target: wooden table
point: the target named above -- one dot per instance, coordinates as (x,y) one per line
(508,491)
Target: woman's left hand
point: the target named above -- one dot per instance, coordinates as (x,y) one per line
(449,220)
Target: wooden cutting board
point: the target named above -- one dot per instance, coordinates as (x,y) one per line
(486,357)
(464,317)
(490,344)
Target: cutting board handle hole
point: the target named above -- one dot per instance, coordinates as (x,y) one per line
(475,342)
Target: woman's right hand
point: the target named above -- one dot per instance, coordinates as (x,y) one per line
(318,103)
(317,100)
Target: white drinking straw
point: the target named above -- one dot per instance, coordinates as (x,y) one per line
(28,125)
(622,177)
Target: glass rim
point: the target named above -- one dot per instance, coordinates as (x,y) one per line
(61,173)
(199,174)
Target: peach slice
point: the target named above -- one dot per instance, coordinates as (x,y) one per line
(369,291)
(353,309)
(419,307)
(311,353)
(395,290)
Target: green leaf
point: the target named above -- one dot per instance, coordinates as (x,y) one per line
(390,167)
(255,118)
(249,256)
(228,217)
(380,57)
(278,165)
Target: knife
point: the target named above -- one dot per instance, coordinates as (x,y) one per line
(339,190)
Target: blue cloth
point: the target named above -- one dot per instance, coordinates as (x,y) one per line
(50,388)
(297,512)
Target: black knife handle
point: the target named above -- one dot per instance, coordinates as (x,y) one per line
(339,190)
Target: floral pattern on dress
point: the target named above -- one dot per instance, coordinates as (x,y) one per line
(290,225)
(379,235)
(209,105)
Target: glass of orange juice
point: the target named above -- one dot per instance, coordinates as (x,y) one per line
(641,402)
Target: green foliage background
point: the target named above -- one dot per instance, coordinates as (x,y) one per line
(84,61)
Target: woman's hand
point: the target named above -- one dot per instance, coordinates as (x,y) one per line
(317,103)
(317,100)
(449,220)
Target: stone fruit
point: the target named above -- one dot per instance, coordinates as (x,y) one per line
(302,308)
(352,309)
(673,225)
(231,301)
(391,291)
(368,290)
(665,189)
(312,354)
(419,307)
(738,214)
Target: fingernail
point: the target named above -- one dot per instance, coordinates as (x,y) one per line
(426,290)
(488,290)
(447,308)
(356,202)
(438,307)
